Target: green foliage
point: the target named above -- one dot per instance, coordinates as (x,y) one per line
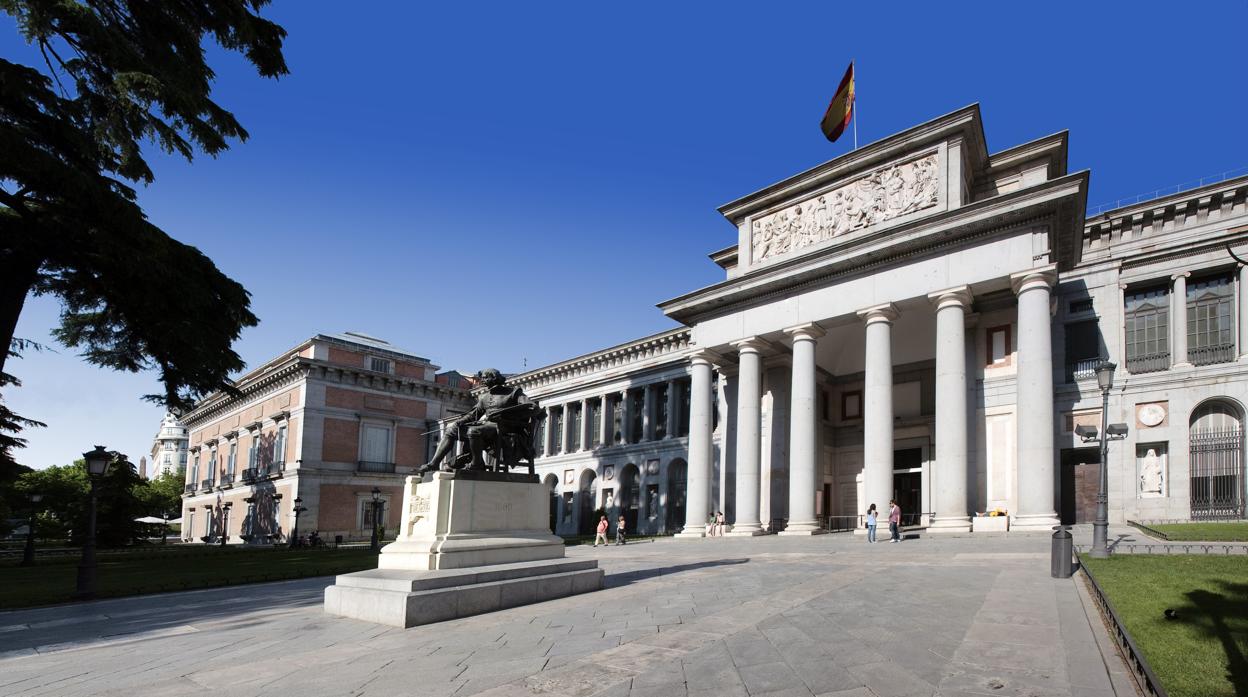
(1204,532)
(121,496)
(1199,653)
(118,74)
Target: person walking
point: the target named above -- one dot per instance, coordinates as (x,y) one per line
(602,532)
(872,521)
(894,521)
(619,531)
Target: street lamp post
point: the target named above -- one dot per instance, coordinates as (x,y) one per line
(98,461)
(164,528)
(376,504)
(1106,433)
(28,555)
(294,534)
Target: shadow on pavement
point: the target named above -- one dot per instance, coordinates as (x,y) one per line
(624,578)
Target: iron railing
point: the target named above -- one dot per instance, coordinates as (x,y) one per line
(249,475)
(1217,474)
(1143,673)
(1148,363)
(366,466)
(206,485)
(1084,369)
(189,489)
(227,480)
(1209,355)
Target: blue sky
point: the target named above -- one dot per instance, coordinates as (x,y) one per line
(512,184)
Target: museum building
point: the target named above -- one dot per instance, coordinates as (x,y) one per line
(920,320)
(316,429)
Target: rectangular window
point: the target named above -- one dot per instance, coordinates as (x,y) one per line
(375,444)
(1147,329)
(1080,306)
(637,415)
(1210,327)
(557,425)
(682,421)
(1083,350)
(251,450)
(195,470)
(381,365)
(232,457)
(998,349)
(539,437)
(189,529)
(211,473)
(617,419)
(279,446)
(851,405)
(660,412)
(577,424)
(595,422)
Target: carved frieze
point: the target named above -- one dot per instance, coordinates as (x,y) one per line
(880,196)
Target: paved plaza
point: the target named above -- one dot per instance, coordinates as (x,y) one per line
(776,616)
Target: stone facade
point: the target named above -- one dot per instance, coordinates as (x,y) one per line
(169,448)
(325,422)
(919,320)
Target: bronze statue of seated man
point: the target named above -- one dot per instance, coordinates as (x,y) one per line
(500,410)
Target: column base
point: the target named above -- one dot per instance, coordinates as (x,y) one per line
(803,528)
(949,524)
(746,530)
(690,535)
(1034,522)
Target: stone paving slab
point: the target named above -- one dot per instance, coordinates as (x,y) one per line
(766,616)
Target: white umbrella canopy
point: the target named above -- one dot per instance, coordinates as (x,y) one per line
(153,519)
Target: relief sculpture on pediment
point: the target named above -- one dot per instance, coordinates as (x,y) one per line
(885,194)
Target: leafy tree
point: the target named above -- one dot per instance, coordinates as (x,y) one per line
(66,490)
(161,495)
(12,502)
(118,74)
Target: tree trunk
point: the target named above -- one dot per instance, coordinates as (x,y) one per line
(17,274)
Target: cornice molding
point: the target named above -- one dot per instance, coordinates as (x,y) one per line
(668,344)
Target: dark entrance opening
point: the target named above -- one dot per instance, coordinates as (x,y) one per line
(907,486)
(1080,480)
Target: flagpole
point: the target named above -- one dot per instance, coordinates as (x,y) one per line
(854,106)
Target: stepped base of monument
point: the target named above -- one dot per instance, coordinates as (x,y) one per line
(403,598)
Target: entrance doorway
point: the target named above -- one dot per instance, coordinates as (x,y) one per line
(908,484)
(1080,481)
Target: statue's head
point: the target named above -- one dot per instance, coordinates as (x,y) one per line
(490,377)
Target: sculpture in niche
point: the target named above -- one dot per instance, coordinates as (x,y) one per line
(1151,473)
(889,193)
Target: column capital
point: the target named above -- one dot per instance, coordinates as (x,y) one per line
(1181,274)
(879,313)
(958,295)
(705,357)
(753,344)
(805,332)
(1026,280)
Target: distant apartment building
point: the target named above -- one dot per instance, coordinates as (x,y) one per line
(169,448)
(324,423)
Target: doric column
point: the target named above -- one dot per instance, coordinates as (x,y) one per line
(1242,300)
(606,427)
(949,478)
(549,437)
(587,426)
(1034,420)
(647,413)
(803,434)
(673,405)
(877,407)
(1178,320)
(569,427)
(626,417)
(698,483)
(749,444)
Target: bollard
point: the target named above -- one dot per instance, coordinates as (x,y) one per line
(1063,545)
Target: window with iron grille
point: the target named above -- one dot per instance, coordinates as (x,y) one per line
(1148,329)
(556,423)
(1210,327)
(660,412)
(577,423)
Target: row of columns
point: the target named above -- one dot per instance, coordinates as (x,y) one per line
(606,423)
(1035,456)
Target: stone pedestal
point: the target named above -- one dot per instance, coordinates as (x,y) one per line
(469,542)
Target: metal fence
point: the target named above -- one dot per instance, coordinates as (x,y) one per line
(1217,474)
(1209,355)
(1148,363)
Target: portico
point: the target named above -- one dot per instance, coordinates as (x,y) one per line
(849,329)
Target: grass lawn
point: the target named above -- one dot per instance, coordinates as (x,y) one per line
(1204,651)
(54,580)
(1204,532)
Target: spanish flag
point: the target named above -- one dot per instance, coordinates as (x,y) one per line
(841,110)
